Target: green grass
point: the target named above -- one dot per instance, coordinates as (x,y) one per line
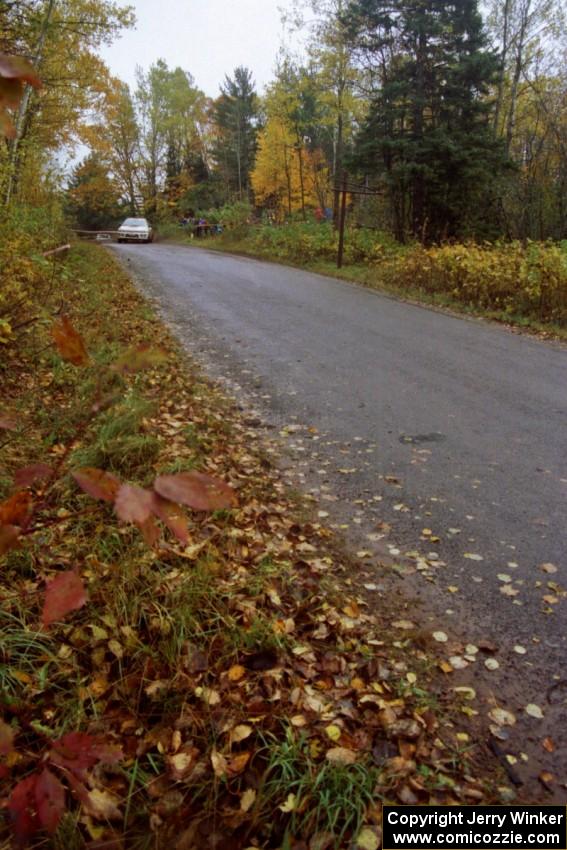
(22,650)
(120,444)
(326,797)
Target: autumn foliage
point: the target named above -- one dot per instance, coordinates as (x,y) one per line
(39,801)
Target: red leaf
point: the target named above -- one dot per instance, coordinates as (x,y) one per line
(15,510)
(18,68)
(50,800)
(150,531)
(97,483)
(141,357)
(64,594)
(69,342)
(78,751)
(6,738)
(22,810)
(133,504)
(8,538)
(8,423)
(172,516)
(197,490)
(28,475)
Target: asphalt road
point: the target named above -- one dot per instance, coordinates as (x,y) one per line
(438,426)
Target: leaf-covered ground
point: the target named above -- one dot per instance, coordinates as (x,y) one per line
(239,691)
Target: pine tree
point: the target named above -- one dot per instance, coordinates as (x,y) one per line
(236,119)
(428,132)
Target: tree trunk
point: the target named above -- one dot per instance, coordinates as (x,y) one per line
(518,67)
(22,118)
(502,73)
(338,159)
(418,182)
(301,180)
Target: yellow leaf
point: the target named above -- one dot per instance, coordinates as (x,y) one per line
(290,804)
(247,800)
(236,673)
(240,733)
(333,732)
(102,805)
(116,648)
(182,764)
(210,696)
(219,764)
(367,839)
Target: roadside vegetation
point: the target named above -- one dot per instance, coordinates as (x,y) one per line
(184,658)
(209,679)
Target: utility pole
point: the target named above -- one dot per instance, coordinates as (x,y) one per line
(342,222)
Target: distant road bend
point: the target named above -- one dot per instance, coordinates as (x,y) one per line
(459,422)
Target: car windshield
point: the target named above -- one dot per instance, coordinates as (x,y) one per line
(135,222)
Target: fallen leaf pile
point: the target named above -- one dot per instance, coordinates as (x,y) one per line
(226,682)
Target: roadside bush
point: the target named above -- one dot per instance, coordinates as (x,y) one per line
(296,241)
(529,280)
(308,242)
(235,217)
(25,276)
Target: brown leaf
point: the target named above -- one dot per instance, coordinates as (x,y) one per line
(18,68)
(50,800)
(15,510)
(97,483)
(77,752)
(69,342)
(101,805)
(172,517)
(28,475)
(8,538)
(182,763)
(237,763)
(547,779)
(6,738)
(150,531)
(65,593)
(340,755)
(133,503)
(138,358)
(8,423)
(196,490)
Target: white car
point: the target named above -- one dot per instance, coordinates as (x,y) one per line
(135,230)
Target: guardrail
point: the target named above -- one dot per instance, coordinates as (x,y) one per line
(57,252)
(97,233)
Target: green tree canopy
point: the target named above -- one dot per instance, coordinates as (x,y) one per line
(428,131)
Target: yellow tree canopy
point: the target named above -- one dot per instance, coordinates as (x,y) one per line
(282,165)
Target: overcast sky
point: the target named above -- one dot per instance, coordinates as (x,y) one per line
(208,38)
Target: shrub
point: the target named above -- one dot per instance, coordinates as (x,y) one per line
(530,280)
(25,275)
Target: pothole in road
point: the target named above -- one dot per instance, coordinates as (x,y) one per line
(412,439)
